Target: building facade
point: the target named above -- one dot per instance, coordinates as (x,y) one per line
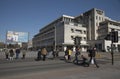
(60,34)
(91,27)
(104,29)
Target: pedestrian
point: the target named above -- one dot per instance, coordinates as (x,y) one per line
(92,53)
(44,53)
(54,53)
(39,55)
(17,51)
(57,53)
(84,61)
(77,53)
(11,54)
(69,54)
(23,53)
(7,53)
(66,54)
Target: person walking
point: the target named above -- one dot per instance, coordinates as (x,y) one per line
(11,54)
(77,53)
(44,53)
(7,53)
(23,53)
(17,51)
(39,55)
(57,53)
(92,53)
(69,54)
(54,53)
(66,54)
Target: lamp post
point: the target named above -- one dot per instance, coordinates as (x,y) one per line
(55,37)
(114,39)
(113,36)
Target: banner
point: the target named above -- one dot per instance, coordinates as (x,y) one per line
(17,36)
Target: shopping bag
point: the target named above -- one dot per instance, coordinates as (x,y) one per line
(66,57)
(92,61)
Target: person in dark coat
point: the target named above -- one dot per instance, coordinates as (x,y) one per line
(77,53)
(54,53)
(17,51)
(92,53)
(39,55)
(11,54)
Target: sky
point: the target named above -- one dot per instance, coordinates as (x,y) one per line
(31,15)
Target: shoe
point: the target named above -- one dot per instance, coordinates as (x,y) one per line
(97,66)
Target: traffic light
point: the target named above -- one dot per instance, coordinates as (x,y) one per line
(107,37)
(114,36)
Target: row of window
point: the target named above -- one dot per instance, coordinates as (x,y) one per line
(68,19)
(82,38)
(99,18)
(78,31)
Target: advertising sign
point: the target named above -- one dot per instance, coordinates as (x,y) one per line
(17,36)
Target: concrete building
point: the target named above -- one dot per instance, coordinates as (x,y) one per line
(91,20)
(105,28)
(60,34)
(91,26)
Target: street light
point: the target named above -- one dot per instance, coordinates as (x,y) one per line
(55,37)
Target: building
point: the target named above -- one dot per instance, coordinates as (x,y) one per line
(104,29)
(60,34)
(91,27)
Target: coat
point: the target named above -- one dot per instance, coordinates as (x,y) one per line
(44,51)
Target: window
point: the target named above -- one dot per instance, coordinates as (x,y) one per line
(72,37)
(96,24)
(96,17)
(79,31)
(75,24)
(84,32)
(84,38)
(99,18)
(72,30)
(102,19)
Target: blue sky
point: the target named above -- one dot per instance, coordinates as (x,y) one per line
(31,15)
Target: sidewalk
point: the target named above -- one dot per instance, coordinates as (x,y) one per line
(32,55)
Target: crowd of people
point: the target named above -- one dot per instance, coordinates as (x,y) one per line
(84,60)
(42,53)
(11,53)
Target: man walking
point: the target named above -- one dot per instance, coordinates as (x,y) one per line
(92,53)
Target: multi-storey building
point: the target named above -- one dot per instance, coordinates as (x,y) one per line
(92,18)
(104,29)
(61,33)
(91,26)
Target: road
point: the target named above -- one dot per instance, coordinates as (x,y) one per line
(57,69)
